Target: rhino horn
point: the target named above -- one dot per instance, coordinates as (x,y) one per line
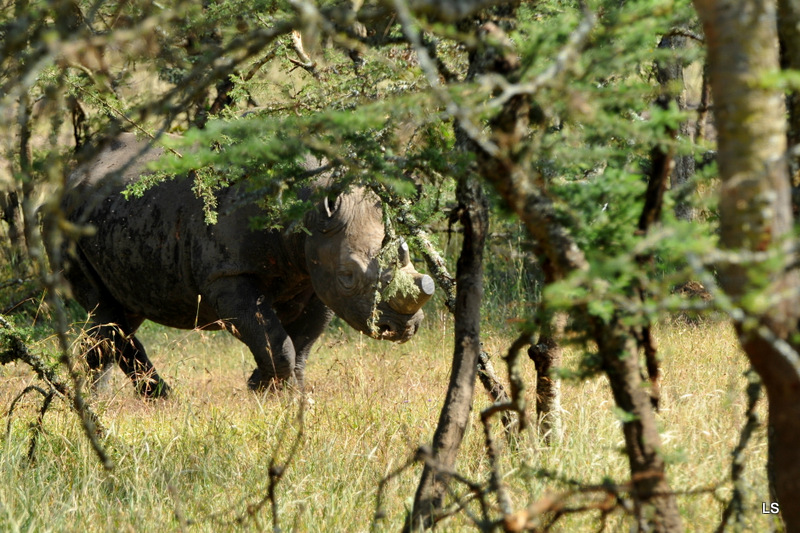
(408,304)
(404,255)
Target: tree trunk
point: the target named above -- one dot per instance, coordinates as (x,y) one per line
(546,355)
(755,216)
(789,37)
(561,256)
(642,441)
(473,213)
(670,74)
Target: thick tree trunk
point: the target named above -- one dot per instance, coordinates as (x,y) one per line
(755,215)
(474,216)
(642,441)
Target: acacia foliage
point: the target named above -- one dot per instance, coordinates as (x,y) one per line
(103,66)
(373,92)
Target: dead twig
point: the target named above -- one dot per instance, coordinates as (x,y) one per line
(306,63)
(30,297)
(494,388)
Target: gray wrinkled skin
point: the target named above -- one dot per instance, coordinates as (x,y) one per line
(155,258)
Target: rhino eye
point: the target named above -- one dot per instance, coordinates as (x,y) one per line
(347,279)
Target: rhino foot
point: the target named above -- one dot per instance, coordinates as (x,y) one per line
(152,389)
(258,383)
(99,380)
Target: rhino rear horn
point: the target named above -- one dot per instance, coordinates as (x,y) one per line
(403,255)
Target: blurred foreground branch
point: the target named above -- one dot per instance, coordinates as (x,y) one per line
(37,428)
(735,509)
(13,348)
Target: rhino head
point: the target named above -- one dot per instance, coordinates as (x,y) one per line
(342,254)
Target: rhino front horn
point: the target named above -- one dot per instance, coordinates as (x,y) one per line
(407,304)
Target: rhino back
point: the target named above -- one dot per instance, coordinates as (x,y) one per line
(155,254)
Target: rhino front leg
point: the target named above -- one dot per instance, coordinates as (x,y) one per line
(305,330)
(240,303)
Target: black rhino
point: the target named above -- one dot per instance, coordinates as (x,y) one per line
(155,258)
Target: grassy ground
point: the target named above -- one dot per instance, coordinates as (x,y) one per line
(200,461)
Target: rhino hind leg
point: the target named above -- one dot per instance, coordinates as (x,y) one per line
(111,339)
(100,359)
(115,342)
(137,366)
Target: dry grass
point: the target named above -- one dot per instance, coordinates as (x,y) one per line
(203,455)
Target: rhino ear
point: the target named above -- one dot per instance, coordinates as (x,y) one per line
(328,222)
(331,204)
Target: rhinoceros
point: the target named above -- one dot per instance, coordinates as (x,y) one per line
(156,258)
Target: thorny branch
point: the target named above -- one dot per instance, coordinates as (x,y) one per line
(15,349)
(37,427)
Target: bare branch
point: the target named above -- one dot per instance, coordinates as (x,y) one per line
(305,61)
(491,382)
(685,32)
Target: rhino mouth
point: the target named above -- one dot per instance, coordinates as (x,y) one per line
(396,329)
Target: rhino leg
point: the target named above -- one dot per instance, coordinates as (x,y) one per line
(99,357)
(249,316)
(305,330)
(111,338)
(134,362)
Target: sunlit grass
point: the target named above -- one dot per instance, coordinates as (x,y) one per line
(201,458)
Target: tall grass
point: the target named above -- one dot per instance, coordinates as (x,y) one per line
(198,460)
